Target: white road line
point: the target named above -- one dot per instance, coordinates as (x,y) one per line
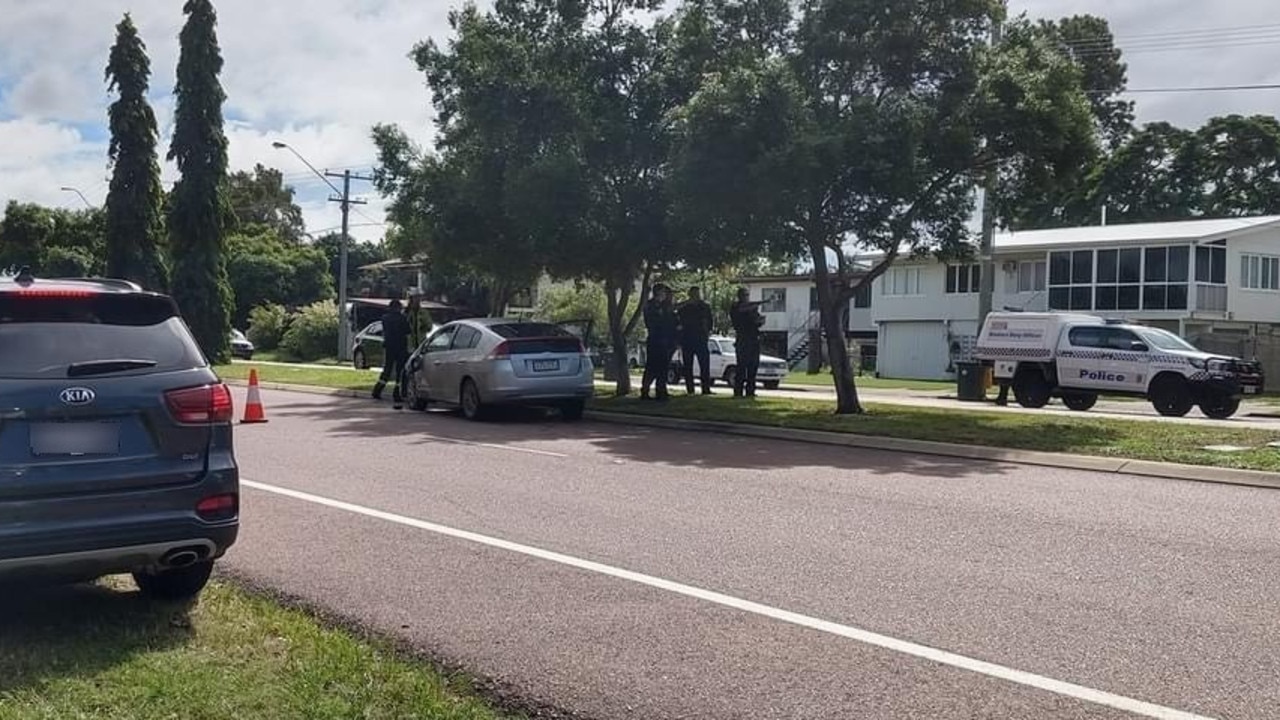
(1040,682)
(494,446)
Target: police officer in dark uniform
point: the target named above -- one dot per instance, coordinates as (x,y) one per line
(395,341)
(661,321)
(695,332)
(746,318)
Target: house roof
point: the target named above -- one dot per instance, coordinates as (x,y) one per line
(1181,231)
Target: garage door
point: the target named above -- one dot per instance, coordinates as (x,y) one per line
(913,351)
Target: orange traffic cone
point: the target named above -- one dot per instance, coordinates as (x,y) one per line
(253,412)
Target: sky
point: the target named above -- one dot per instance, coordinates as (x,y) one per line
(319,74)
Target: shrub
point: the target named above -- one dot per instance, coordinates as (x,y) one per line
(267,324)
(312,333)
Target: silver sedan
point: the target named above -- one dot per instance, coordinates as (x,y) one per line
(479,364)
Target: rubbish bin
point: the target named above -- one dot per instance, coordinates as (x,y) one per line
(610,370)
(971,380)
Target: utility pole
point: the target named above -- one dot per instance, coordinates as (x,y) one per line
(344,342)
(986,250)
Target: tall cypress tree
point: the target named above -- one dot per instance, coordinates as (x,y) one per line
(196,236)
(135,224)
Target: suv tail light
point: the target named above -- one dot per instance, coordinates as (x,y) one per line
(218,507)
(202,405)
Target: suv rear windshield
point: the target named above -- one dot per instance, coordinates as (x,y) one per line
(42,336)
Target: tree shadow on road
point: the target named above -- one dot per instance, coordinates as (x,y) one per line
(537,429)
(60,632)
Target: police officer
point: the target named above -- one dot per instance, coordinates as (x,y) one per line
(661,322)
(395,341)
(746,318)
(695,333)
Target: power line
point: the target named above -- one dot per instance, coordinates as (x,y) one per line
(1203,89)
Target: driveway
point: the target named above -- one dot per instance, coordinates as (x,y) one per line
(610,572)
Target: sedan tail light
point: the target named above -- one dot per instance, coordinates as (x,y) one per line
(204,405)
(501,352)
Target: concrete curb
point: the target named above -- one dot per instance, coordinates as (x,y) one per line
(1115,466)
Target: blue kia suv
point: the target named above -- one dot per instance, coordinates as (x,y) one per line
(116,448)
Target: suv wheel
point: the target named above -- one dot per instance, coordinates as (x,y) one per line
(177,584)
(1220,407)
(1031,389)
(359,360)
(1080,402)
(1170,396)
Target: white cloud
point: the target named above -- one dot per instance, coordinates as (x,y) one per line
(319,74)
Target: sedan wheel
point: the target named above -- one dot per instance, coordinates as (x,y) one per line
(472,407)
(358,359)
(414,396)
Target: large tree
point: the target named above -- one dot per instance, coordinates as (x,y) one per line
(1155,176)
(551,150)
(196,233)
(265,269)
(864,130)
(1239,162)
(261,198)
(135,222)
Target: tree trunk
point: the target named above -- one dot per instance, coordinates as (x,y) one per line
(618,300)
(829,301)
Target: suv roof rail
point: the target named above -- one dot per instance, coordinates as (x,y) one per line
(112,282)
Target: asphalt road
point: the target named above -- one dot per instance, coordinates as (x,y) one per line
(629,573)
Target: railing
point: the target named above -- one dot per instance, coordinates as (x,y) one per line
(1211,298)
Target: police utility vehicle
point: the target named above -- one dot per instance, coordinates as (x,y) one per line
(1079,357)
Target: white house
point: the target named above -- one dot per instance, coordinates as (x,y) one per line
(1209,279)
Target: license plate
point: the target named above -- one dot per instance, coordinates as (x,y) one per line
(75,439)
(1250,390)
(546,365)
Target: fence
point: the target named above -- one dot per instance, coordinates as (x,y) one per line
(1264,347)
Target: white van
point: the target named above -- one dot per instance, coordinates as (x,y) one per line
(1079,357)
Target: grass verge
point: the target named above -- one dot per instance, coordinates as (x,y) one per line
(339,378)
(1104,437)
(824,379)
(101,652)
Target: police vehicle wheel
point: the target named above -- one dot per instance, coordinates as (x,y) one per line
(674,376)
(1031,390)
(730,374)
(1220,407)
(1080,402)
(771,384)
(359,360)
(1170,396)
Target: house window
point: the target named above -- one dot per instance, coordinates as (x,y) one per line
(1119,280)
(1259,272)
(1071,280)
(901,281)
(1032,276)
(1211,265)
(862,298)
(1165,275)
(964,279)
(773,300)
(1154,278)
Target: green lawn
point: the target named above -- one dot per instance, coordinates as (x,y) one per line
(1106,437)
(106,653)
(275,356)
(336,378)
(823,379)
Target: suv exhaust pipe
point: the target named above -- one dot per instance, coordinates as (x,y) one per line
(182,558)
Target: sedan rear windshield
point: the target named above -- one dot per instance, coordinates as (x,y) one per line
(57,337)
(514,331)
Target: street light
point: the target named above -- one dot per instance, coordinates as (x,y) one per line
(83,199)
(344,345)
